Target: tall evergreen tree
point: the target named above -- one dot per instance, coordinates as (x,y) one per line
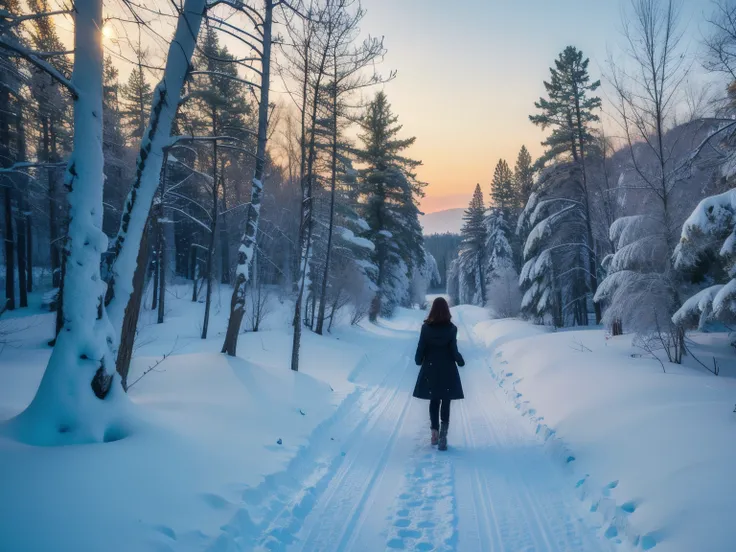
(569,111)
(523,177)
(136,96)
(389,190)
(471,261)
(502,277)
(503,194)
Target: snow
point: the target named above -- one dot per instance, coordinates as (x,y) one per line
(565,442)
(204,441)
(348,235)
(651,452)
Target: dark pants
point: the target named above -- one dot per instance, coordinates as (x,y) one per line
(436,412)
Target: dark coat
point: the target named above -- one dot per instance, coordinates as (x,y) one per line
(437,354)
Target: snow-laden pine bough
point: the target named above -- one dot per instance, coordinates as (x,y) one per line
(712,222)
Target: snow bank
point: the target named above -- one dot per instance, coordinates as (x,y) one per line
(216,436)
(215,426)
(653,451)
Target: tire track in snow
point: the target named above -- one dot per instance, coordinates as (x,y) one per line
(336,520)
(272,513)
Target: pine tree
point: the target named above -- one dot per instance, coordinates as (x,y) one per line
(505,198)
(388,190)
(498,247)
(569,111)
(553,277)
(501,275)
(503,193)
(523,177)
(53,113)
(136,96)
(472,257)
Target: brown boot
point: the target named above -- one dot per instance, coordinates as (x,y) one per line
(435,437)
(443,437)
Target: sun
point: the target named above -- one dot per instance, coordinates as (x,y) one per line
(107,32)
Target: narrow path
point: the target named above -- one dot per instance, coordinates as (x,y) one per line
(495,489)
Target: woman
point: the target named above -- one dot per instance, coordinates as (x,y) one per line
(439,380)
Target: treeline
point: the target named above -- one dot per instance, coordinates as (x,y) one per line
(630,230)
(208,181)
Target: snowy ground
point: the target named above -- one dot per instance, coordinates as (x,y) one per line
(242,454)
(652,452)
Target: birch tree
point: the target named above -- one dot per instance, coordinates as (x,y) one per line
(246,251)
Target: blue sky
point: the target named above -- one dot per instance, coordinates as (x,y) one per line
(469,73)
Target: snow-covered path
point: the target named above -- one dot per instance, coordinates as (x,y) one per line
(383,488)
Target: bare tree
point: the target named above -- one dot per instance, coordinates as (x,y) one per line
(347,75)
(642,286)
(248,240)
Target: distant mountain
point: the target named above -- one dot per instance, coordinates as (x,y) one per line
(440,222)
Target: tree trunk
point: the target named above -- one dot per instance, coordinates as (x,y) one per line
(213,230)
(224,237)
(162,274)
(49,137)
(5,161)
(9,248)
(193,271)
(247,248)
(82,359)
(307,209)
(617,328)
(29,250)
(21,251)
(132,311)
(155,257)
(333,182)
(150,159)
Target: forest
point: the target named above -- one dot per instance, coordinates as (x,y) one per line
(206,179)
(627,219)
(221,312)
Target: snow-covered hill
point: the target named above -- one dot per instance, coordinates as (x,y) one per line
(440,222)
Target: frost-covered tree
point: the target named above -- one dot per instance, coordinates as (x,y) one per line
(444,248)
(708,246)
(471,261)
(389,190)
(246,250)
(554,276)
(76,401)
(502,279)
(643,288)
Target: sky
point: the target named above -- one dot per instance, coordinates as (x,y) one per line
(469,73)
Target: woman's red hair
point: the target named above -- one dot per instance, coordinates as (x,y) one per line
(439,313)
